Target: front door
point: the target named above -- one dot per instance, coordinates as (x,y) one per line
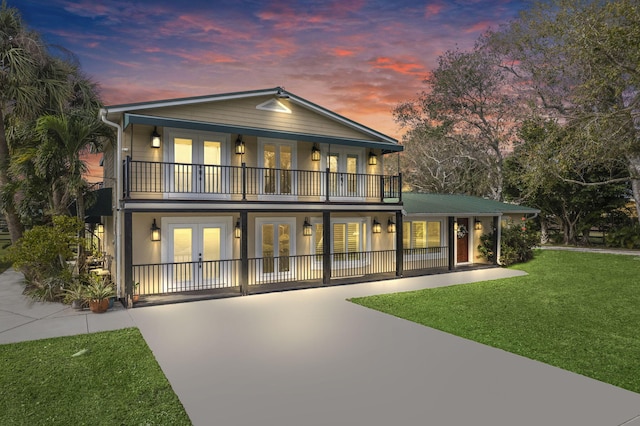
(462,240)
(278,163)
(194,253)
(275,247)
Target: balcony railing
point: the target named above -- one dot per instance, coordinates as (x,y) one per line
(162,278)
(256,183)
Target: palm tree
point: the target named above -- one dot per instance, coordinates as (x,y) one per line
(32,82)
(63,139)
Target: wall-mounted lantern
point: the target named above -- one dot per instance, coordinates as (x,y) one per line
(237,230)
(239,145)
(306,227)
(376,227)
(477,225)
(373,159)
(315,152)
(155,138)
(391,226)
(155,231)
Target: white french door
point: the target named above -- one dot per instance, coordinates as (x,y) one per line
(197,163)
(345,179)
(195,253)
(278,161)
(275,246)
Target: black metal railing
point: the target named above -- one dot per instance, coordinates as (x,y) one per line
(355,264)
(255,183)
(425,258)
(185,276)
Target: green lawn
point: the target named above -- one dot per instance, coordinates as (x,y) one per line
(117,381)
(577,311)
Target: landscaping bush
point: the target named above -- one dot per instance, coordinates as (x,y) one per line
(41,255)
(516,245)
(625,237)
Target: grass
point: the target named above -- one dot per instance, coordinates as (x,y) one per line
(118,381)
(576,311)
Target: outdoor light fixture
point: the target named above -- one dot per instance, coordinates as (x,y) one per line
(477,225)
(315,153)
(155,231)
(391,226)
(237,231)
(306,227)
(373,159)
(100,229)
(281,94)
(239,145)
(376,227)
(155,138)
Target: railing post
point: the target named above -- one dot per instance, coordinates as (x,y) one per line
(244,252)
(496,239)
(326,184)
(400,187)
(326,247)
(381,188)
(126,181)
(244,181)
(128,259)
(399,246)
(452,240)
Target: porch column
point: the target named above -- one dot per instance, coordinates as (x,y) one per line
(399,245)
(497,231)
(326,247)
(244,252)
(128,259)
(452,242)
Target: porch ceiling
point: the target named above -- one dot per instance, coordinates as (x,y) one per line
(254,131)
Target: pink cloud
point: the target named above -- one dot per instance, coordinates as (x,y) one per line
(479,27)
(433,9)
(408,68)
(343,52)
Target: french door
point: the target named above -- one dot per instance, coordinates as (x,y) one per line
(196,253)
(344,178)
(275,246)
(197,163)
(278,161)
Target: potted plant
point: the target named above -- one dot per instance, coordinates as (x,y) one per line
(136,296)
(98,293)
(76,295)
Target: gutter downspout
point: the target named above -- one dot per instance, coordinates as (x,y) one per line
(118,193)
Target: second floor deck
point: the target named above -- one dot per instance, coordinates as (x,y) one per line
(162,180)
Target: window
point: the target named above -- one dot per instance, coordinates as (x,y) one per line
(275,244)
(278,161)
(422,236)
(348,239)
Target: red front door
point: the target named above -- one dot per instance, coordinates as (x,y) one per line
(462,240)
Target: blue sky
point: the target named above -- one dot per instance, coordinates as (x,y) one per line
(358,58)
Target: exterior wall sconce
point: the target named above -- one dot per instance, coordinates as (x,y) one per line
(306,227)
(155,231)
(315,153)
(376,227)
(239,145)
(373,159)
(237,230)
(155,138)
(477,225)
(391,226)
(100,229)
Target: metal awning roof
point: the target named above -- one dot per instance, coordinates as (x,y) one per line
(458,205)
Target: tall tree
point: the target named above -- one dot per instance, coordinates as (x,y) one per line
(33,81)
(580,61)
(470,100)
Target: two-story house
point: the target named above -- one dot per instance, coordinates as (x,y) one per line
(256,191)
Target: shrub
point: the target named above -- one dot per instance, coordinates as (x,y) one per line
(41,255)
(516,244)
(625,237)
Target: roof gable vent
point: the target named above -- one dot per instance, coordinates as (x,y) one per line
(273,105)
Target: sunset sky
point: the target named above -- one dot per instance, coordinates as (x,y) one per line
(358,58)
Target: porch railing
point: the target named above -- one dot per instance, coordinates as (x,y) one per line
(255,183)
(226,274)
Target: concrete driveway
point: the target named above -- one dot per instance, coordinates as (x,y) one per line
(310,357)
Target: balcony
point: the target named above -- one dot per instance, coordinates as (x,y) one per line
(143,179)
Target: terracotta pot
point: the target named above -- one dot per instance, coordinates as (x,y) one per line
(99,306)
(136,297)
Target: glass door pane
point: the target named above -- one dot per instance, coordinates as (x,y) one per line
(334,178)
(269,172)
(285,169)
(182,256)
(352,177)
(183,157)
(268,248)
(283,248)
(212,175)
(339,241)
(210,268)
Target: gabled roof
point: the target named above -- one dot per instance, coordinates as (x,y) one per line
(113,111)
(458,205)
